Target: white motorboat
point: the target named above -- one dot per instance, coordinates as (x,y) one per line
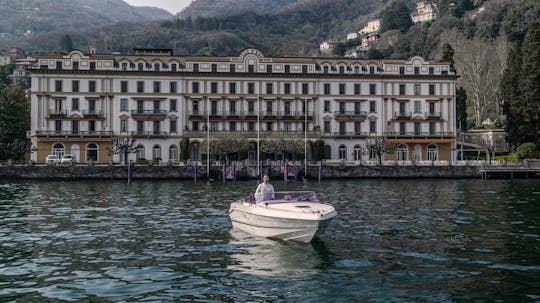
(296,215)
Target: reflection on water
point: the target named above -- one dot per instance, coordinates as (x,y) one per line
(393,240)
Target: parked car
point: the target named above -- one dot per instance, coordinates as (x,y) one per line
(52,160)
(67,159)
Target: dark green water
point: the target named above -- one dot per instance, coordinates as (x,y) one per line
(393,241)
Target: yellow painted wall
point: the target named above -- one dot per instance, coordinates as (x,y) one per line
(44,148)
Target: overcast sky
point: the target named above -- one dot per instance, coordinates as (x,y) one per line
(173,6)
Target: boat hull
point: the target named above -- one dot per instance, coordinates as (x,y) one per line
(301,230)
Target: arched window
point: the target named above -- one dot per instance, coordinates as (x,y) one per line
(342,152)
(92,152)
(402,152)
(58,149)
(140,152)
(432,152)
(156,152)
(357,153)
(327,152)
(173,153)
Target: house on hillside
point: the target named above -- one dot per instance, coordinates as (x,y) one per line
(352,36)
(373,26)
(425,11)
(326,46)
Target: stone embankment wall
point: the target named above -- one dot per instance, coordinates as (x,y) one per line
(104,172)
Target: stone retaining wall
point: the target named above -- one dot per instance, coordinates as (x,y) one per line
(104,172)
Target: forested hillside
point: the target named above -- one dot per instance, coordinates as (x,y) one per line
(214,8)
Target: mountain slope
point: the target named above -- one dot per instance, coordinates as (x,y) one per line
(214,8)
(17,17)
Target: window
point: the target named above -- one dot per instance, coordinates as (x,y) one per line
(251,88)
(92,65)
(58,64)
(326,69)
(140,86)
(157,107)
(357,127)
(213,87)
(213,126)
(342,88)
(251,68)
(232,87)
(123,125)
(157,127)
(372,89)
(251,126)
(195,67)
(75,85)
(326,106)
(172,87)
(417,70)
(195,107)
(342,152)
(214,68)
(232,126)
(402,108)
(287,88)
(195,125)
(432,152)
(287,68)
(195,87)
(372,107)
(431,71)
(402,70)
(75,65)
(75,127)
(58,125)
(172,105)
(75,104)
(140,66)
(173,153)
(326,126)
(444,72)
(269,68)
(232,107)
(140,106)
(92,126)
(58,85)
(124,86)
(357,151)
(372,126)
(269,126)
(402,128)
(173,126)
(232,68)
(269,108)
(92,86)
(357,88)
(287,108)
(214,108)
(140,126)
(372,69)
(124,66)
(402,89)
(342,128)
(431,107)
(251,107)
(304,69)
(356,69)
(305,88)
(269,88)
(156,153)
(417,128)
(140,152)
(341,69)
(123,104)
(157,86)
(417,89)
(432,128)
(402,152)
(357,108)
(417,107)
(327,88)
(157,67)
(173,67)
(342,107)
(58,149)
(432,89)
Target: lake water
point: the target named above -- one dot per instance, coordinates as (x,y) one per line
(171,241)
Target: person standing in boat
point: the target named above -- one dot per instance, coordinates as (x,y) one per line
(265,190)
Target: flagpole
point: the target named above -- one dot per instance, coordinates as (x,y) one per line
(306,107)
(258,131)
(207,141)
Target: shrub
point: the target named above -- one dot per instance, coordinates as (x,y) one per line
(527,151)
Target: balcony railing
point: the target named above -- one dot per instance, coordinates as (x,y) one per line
(350,115)
(149,114)
(350,134)
(57,114)
(74,134)
(403,115)
(92,113)
(433,115)
(250,133)
(149,134)
(419,134)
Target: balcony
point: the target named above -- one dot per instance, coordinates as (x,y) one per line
(97,114)
(433,115)
(252,134)
(148,114)
(350,115)
(73,134)
(416,135)
(403,115)
(56,114)
(350,134)
(148,134)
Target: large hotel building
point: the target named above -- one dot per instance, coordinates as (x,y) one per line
(81,102)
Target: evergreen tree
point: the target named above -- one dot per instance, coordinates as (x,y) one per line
(14,119)
(512,100)
(66,44)
(461,108)
(448,55)
(396,16)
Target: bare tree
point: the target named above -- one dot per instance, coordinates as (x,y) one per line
(279,143)
(480,65)
(124,146)
(379,147)
(487,143)
(223,144)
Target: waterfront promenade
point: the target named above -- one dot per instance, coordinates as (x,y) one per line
(331,169)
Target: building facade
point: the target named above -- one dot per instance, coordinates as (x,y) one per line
(81,102)
(425,11)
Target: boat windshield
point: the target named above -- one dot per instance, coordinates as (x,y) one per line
(295,196)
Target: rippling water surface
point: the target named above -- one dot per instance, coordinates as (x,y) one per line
(393,241)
